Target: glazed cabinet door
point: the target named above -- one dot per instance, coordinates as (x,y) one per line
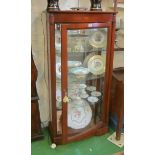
(82,70)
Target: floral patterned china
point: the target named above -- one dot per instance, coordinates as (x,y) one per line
(79,114)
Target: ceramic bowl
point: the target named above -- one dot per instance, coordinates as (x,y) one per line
(80,72)
(74,63)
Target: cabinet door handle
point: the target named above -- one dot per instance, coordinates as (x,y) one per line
(66,99)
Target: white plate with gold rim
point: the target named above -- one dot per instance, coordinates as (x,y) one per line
(98,39)
(85,62)
(96,64)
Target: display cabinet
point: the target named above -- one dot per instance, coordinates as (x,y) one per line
(80,52)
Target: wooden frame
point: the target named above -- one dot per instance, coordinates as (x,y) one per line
(78,20)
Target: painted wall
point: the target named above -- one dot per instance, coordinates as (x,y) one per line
(39,46)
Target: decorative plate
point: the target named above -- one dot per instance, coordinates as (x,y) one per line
(84,95)
(96,65)
(79,114)
(98,39)
(91,88)
(96,93)
(92,99)
(85,62)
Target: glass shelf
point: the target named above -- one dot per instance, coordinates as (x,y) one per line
(58,52)
(74,79)
(78,35)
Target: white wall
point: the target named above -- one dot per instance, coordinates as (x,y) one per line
(38,38)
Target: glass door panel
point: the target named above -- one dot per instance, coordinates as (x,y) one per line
(86,50)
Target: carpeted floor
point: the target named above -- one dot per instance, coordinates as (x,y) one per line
(119,153)
(93,146)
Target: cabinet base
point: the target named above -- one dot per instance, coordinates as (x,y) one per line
(39,136)
(97,130)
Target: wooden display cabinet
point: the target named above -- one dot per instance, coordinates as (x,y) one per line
(80,52)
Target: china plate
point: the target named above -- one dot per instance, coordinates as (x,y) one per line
(96,93)
(92,99)
(79,114)
(98,39)
(96,65)
(85,62)
(82,86)
(84,95)
(91,88)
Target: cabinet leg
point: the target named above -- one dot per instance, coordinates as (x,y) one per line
(120,111)
(118,130)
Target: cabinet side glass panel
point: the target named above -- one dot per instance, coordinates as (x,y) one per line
(58,77)
(86,50)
